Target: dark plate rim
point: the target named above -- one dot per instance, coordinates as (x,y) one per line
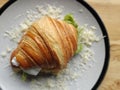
(106,41)
(104,31)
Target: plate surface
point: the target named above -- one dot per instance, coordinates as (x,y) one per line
(90,79)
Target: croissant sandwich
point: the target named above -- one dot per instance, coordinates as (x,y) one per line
(46,46)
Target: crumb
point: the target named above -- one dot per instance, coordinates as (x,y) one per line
(3,54)
(8,50)
(81,10)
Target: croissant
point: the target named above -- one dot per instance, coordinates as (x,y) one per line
(47,44)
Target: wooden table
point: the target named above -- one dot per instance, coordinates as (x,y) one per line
(109,11)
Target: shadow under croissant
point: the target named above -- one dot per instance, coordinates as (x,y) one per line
(42,74)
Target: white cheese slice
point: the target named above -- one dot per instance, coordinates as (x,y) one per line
(32,71)
(14,62)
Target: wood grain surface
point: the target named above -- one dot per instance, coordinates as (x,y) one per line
(109,11)
(2,2)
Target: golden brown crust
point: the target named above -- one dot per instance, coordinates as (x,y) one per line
(47,43)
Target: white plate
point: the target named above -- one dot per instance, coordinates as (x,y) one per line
(90,79)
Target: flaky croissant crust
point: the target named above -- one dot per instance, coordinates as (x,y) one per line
(48,43)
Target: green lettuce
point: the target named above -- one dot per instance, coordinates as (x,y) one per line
(79,46)
(79,49)
(70,19)
(24,76)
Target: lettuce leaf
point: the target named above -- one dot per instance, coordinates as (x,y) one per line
(24,76)
(70,19)
(79,49)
